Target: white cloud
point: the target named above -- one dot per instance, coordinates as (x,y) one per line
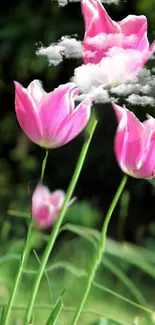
(63,3)
(125,89)
(117,68)
(85,76)
(72,47)
(67,47)
(140,100)
(109,2)
(141,91)
(52,52)
(99,95)
(129,88)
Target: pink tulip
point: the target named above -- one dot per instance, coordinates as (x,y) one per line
(46,206)
(134,144)
(114,44)
(51,119)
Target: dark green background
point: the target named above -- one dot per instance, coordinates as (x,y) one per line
(23,26)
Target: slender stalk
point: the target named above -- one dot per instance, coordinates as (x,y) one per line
(100,250)
(57,226)
(24,257)
(43,166)
(22,263)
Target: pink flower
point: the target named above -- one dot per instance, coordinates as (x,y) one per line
(51,119)
(134,144)
(46,206)
(122,48)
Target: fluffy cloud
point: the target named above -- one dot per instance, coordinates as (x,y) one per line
(67,47)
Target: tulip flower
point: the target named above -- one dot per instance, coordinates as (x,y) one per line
(102,33)
(134,144)
(51,119)
(46,206)
(118,49)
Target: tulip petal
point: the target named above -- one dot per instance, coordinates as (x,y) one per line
(149,53)
(27,114)
(149,126)
(107,25)
(129,140)
(147,169)
(36,91)
(45,216)
(101,31)
(97,19)
(89,12)
(152,47)
(134,143)
(57,199)
(72,126)
(40,194)
(55,108)
(121,133)
(134,29)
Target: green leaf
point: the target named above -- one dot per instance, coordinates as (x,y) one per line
(2,315)
(56,310)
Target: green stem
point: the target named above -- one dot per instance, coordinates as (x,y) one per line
(100,250)
(43,166)
(22,263)
(24,257)
(57,226)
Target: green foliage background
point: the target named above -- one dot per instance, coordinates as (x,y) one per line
(24,25)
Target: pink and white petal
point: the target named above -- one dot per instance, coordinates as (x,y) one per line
(102,23)
(41,213)
(71,201)
(40,194)
(147,169)
(55,108)
(27,114)
(96,48)
(89,11)
(152,47)
(92,53)
(121,134)
(119,111)
(133,61)
(75,124)
(97,23)
(51,218)
(149,53)
(142,43)
(132,24)
(149,125)
(45,215)
(36,91)
(134,29)
(133,151)
(106,24)
(57,199)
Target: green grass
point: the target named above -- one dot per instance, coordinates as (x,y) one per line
(67,269)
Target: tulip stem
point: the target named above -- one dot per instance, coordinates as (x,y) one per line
(24,257)
(57,225)
(99,251)
(43,166)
